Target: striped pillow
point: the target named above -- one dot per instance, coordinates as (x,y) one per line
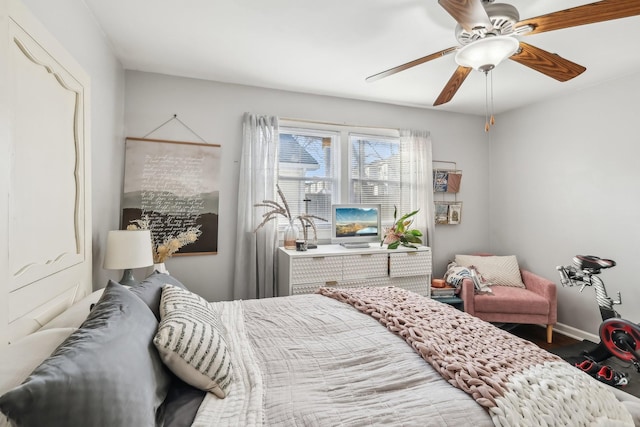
(191,343)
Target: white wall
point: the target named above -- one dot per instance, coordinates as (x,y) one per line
(214,111)
(73,26)
(564,182)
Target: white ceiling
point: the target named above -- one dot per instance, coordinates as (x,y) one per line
(329,47)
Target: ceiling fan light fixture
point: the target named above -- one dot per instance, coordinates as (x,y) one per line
(485,54)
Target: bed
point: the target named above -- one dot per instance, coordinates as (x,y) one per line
(352,357)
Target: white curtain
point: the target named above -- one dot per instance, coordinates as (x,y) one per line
(255,270)
(418,171)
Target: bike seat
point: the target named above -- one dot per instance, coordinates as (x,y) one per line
(591,262)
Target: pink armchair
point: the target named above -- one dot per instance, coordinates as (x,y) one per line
(535,304)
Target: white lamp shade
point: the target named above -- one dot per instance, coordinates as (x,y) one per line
(485,54)
(128,249)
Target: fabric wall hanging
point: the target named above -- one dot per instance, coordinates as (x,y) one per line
(175,186)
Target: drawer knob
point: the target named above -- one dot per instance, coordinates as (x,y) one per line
(331,283)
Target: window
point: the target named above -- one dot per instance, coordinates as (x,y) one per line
(323,165)
(308,173)
(375,174)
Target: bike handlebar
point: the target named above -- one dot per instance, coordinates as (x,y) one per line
(571,276)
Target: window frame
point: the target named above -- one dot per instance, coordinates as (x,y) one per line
(342,158)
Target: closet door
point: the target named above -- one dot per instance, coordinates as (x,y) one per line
(48,238)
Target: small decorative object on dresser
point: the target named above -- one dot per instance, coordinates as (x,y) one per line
(290,235)
(399,234)
(291,231)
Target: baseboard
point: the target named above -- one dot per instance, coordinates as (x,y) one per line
(575,333)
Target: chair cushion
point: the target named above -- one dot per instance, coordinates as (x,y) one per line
(507,299)
(497,270)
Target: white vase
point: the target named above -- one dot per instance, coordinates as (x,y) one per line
(290,235)
(160,268)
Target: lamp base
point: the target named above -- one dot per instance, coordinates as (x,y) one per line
(127,278)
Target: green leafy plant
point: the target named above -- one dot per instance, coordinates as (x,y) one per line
(400,234)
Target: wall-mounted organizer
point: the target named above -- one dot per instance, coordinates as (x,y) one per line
(447,179)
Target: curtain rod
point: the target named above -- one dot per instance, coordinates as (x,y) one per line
(318,122)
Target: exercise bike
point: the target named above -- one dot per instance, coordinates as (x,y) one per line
(618,337)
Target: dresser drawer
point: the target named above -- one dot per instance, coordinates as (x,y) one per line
(404,264)
(316,269)
(364,266)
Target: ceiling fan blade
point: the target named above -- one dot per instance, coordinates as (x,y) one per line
(601,11)
(413,63)
(550,64)
(452,85)
(469,13)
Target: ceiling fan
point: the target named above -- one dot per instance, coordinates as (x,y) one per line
(488,32)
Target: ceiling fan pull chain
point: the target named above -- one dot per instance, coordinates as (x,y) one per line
(486,101)
(492,121)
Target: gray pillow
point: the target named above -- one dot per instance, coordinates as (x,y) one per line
(107,373)
(150,290)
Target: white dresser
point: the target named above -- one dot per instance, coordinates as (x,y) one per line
(333,265)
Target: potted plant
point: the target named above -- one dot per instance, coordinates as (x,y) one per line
(400,233)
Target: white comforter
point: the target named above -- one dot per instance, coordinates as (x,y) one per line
(313,361)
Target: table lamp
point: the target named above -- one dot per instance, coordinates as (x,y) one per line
(126,250)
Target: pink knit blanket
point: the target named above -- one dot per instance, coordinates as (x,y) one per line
(498,369)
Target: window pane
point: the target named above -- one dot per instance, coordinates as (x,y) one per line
(307,172)
(375,171)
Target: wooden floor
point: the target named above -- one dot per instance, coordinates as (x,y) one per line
(538,335)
